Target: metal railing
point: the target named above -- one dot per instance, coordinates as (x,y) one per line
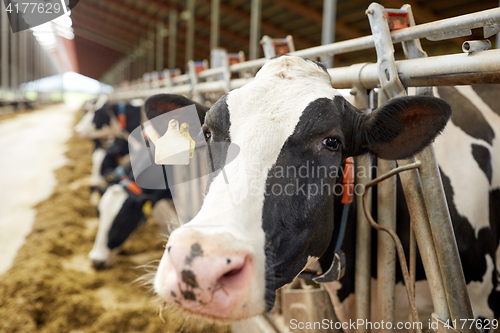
(440,70)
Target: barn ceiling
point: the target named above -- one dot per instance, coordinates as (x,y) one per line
(105,31)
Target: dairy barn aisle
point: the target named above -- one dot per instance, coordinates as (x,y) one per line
(32,146)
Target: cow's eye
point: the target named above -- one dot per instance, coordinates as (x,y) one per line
(331,143)
(208,135)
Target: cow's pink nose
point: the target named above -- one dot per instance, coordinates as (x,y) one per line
(206,283)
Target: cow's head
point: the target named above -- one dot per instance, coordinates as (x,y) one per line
(227,262)
(94,124)
(120,209)
(120,212)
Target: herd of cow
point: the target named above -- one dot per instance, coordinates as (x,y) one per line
(229,260)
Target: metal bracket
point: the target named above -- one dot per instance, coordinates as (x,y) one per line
(227,71)
(449,35)
(193,78)
(442,327)
(397,18)
(167,79)
(336,270)
(476,45)
(490,30)
(155,80)
(413,49)
(388,72)
(277,46)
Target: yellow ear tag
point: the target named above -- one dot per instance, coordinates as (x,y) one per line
(146,208)
(172,148)
(185,133)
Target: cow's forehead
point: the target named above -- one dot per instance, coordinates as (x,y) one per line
(294,66)
(276,99)
(259,118)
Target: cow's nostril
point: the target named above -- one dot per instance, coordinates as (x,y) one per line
(169,248)
(232,272)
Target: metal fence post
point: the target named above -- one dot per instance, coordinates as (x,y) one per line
(440,222)
(159,45)
(386,249)
(444,239)
(172,38)
(328,28)
(414,197)
(5,49)
(14,61)
(150,51)
(363,230)
(214,25)
(23,63)
(255,29)
(190,30)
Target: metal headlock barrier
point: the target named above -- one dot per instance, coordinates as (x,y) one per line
(421,183)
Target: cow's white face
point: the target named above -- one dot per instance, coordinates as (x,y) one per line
(109,206)
(259,118)
(86,128)
(247,240)
(96,179)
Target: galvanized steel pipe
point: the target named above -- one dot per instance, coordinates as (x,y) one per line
(447,70)
(410,181)
(444,239)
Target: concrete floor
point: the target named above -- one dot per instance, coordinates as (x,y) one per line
(32,146)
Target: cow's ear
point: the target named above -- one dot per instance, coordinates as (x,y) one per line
(402,127)
(162,103)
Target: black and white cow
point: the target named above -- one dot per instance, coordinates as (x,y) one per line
(227,262)
(103,119)
(468,160)
(121,206)
(120,213)
(468,154)
(108,125)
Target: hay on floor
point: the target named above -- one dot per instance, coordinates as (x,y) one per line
(52,286)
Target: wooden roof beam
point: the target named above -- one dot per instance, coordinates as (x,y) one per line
(105,13)
(99,39)
(317,17)
(200,22)
(109,16)
(106,28)
(142,18)
(105,34)
(82,15)
(266,27)
(152,18)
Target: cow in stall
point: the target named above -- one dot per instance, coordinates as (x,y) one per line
(97,125)
(228,261)
(467,155)
(121,211)
(108,125)
(121,206)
